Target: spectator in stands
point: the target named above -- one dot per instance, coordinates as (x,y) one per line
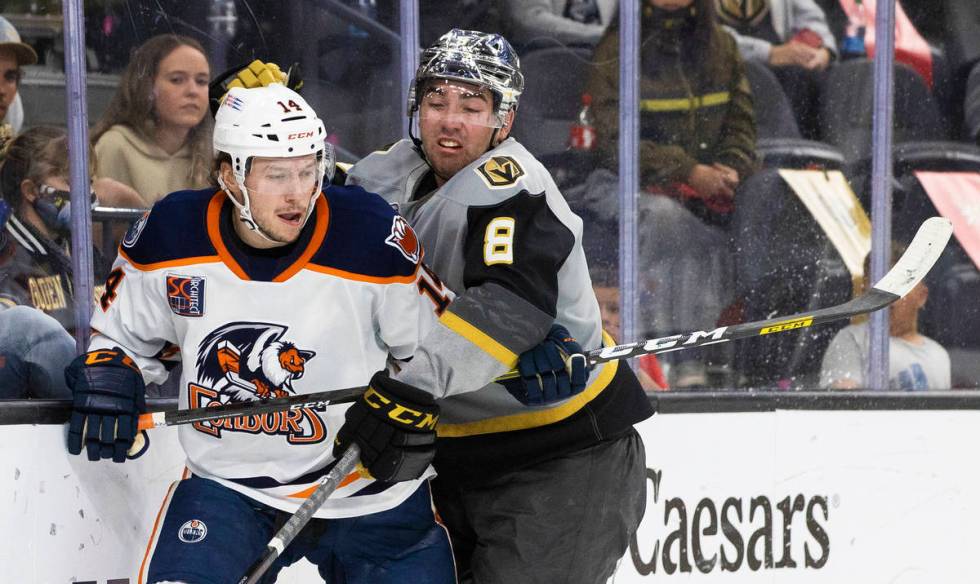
(972,105)
(916,362)
(156,133)
(697,131)
(794,39)
(35,268)
(13,55)
(533,23)
(648,369)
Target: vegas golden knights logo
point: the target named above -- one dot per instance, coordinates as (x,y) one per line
(500,172)
(742,12)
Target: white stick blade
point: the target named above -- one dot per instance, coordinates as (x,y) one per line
(926,247)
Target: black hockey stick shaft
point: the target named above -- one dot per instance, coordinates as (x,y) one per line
(233,410)
(909,270)
(286,534)
(926,247)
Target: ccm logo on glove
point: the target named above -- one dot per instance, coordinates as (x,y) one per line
(399,413)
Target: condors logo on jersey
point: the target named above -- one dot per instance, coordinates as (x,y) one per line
(245,361)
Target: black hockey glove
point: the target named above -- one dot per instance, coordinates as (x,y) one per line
(255,74)
(395,426)
(109,396)
(552,371)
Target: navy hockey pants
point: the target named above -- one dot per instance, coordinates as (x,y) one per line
(212,534)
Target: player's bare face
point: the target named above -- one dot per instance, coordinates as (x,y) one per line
(180,89)
(280,192)
(9,76)
(456,121)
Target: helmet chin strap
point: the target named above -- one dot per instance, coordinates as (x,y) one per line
(245,211)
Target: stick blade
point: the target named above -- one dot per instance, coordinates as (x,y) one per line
(926,247)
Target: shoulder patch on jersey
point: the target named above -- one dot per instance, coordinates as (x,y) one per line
(403,239)
(185,294)
(500,172)
(133,235)
(175,229)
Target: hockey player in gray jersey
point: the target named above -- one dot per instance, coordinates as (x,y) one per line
(530,493)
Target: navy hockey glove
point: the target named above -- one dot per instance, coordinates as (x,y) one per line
(552,371)
(109,396)
(395,426)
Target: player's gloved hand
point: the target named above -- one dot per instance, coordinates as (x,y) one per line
(255,74)
(554,370)
(395,425)
(109,396)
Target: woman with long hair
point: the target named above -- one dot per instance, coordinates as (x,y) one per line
(155,135)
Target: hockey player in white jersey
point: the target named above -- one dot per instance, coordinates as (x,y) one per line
(270,286)
(549,493)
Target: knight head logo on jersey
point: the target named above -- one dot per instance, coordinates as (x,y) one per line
(403,239)
(246,361)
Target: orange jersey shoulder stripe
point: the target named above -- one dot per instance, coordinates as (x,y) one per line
(363,277)
(322,224)
(214,233)
(169,263)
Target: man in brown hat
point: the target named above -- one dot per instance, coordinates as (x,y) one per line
(14,54)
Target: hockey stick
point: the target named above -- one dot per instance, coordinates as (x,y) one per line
(926,247)
(233,410)
(298,521)
(914,264)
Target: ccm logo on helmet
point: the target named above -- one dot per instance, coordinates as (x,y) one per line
(299,135)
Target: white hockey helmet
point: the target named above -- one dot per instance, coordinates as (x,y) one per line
(483,59)
(269,122)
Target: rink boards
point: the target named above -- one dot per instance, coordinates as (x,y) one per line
(783,496)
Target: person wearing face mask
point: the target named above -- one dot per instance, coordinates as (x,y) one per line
(155,135)
(35,266)
(697,147)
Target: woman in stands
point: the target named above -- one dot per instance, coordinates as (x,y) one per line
(156,133)
(697,146)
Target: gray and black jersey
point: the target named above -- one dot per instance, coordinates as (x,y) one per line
(501,237)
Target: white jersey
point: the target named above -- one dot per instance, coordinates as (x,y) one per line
(324,314)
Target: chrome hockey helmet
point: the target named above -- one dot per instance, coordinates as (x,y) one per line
(483,59)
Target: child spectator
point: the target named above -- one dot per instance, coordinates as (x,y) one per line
(916,362)
(648,369)
(156,133)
